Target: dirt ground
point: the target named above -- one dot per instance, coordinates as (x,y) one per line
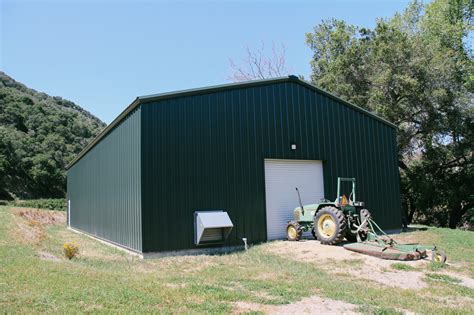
(336,259)
(309,305)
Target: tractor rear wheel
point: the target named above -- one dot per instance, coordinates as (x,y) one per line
(330,225)
(294,231)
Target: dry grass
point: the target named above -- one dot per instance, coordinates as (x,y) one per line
(31,228)
(40,217)
(31,223)
(28,232)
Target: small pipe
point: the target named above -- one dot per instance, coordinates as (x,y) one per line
(244,239)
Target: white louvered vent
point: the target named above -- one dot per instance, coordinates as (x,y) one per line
(211,227)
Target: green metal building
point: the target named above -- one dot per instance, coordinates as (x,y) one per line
(241,148)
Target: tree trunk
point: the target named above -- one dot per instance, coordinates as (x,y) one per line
(455,215)
(411,210)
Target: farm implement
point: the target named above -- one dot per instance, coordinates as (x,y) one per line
(381,245)
(331,222)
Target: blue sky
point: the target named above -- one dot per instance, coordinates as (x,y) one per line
(102,54)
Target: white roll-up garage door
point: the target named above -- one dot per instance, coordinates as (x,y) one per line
(281,178)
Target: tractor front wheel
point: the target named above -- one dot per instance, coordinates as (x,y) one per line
(330,225)
(438,256)
(294,231)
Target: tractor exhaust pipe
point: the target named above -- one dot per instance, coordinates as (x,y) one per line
(299,199)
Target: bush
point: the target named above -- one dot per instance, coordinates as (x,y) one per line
(48,204)
(70,250)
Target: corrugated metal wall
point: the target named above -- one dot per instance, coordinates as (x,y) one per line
(207,152)
(104,186)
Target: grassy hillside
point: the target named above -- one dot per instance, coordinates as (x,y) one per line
(39,135)
(34,277)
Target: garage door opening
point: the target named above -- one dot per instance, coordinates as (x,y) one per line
(281,178)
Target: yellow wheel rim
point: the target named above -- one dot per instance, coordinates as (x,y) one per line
(438,258)
(292,233)
(326,226)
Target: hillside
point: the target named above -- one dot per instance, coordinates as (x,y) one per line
(39,135)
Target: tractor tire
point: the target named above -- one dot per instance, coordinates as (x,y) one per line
(314,234)
(294,231)
(438,256)
(330,225)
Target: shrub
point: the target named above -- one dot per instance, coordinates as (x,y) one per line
(48,204)
(70,250)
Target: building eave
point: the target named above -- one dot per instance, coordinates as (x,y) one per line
(212,89)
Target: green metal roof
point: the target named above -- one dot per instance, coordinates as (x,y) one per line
(205,90)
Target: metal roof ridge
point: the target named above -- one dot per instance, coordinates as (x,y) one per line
(210,89)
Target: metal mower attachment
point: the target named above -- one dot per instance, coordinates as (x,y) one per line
(331,222)
(385,247)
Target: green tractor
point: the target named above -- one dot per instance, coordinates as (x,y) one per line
(331,222)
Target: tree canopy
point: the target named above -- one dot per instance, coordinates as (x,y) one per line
(39,135)
(415,69)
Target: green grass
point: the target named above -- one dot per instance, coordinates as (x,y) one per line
(441,277)
(458,245)
(103,279)
(402,266)
(379,311)
(436,266)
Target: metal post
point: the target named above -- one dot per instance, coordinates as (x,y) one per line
(338,189)
(354,190)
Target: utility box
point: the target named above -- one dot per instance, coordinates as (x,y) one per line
(211,227)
